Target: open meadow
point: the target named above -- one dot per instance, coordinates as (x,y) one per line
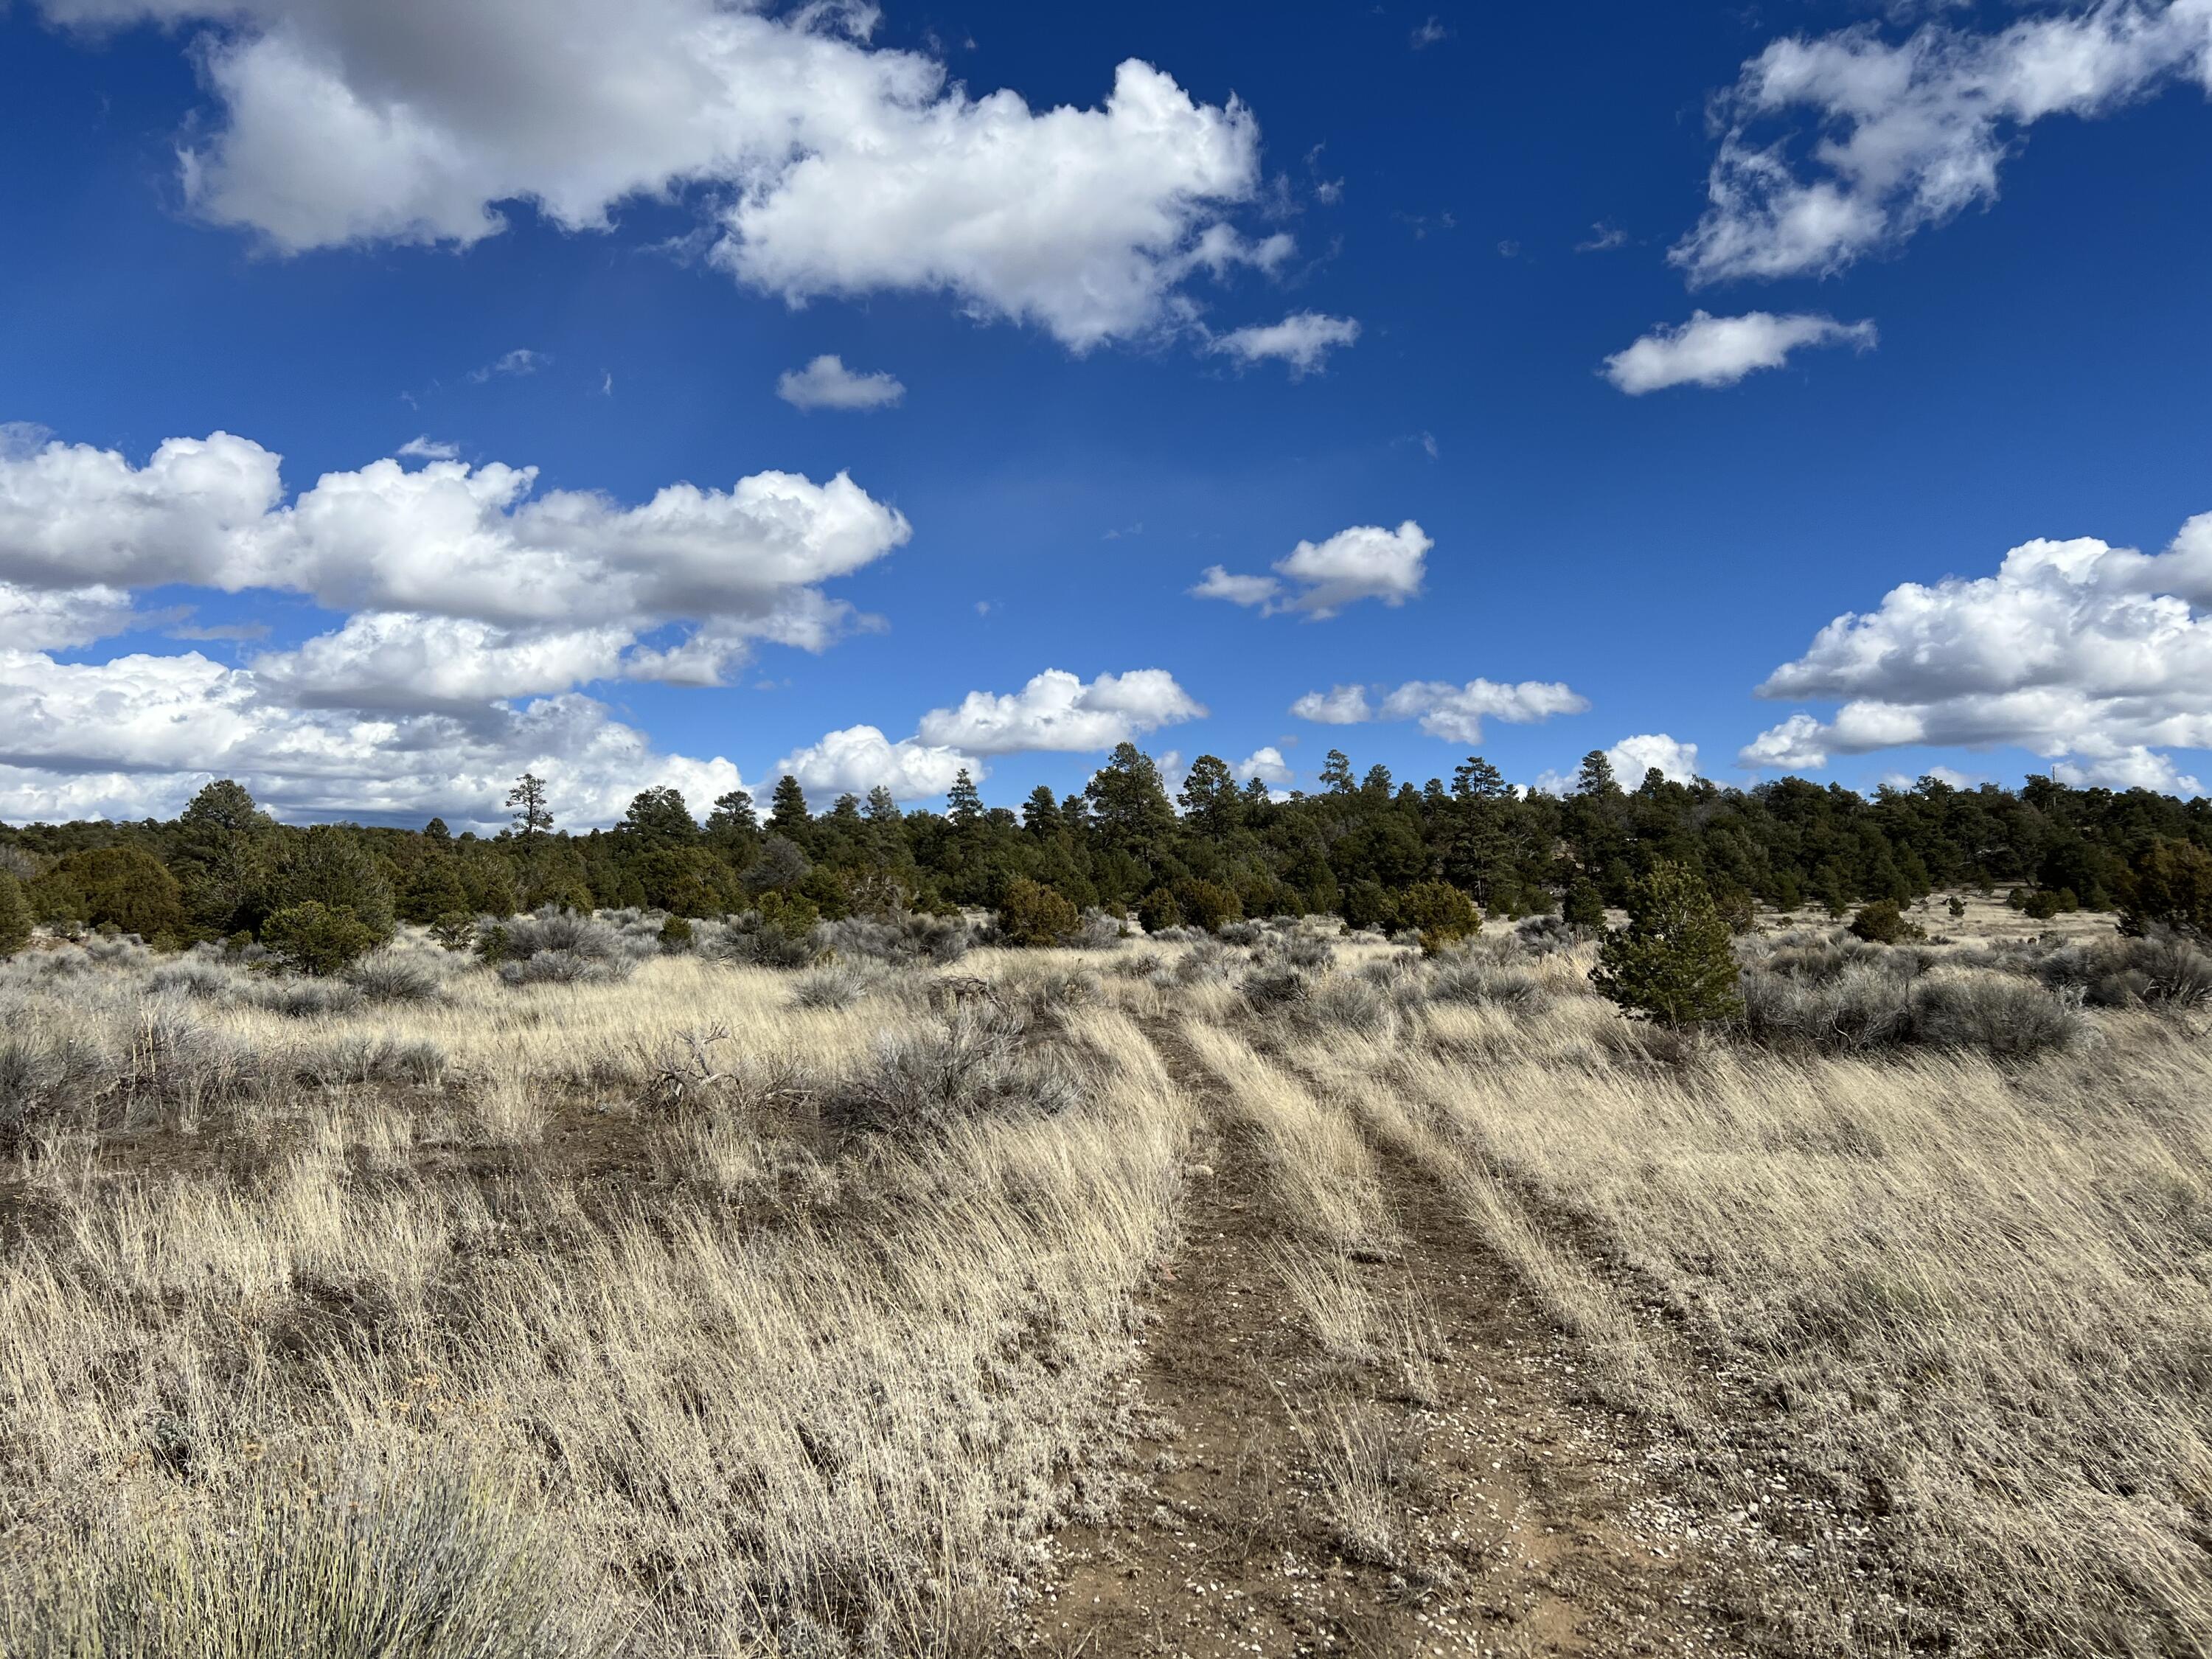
(1282,1292)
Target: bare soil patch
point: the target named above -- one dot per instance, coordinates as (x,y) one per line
(1512,1503)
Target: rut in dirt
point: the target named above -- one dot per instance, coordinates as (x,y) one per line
(1450,1497)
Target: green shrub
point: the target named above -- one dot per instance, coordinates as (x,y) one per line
(1882,922)
(2044,903)
(2171,886)
(456,930)
(792,914)
(315,938)
(434,888)
(1440,913)
(1671,962)
(675,935)
(330,865)
(1367,904)
(1157,911)
(126,888)
(1206,904)
(14,915)
(1956,906)
(1583,906)
(1032,913)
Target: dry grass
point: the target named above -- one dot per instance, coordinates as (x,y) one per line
(287,1272)
(753,1387)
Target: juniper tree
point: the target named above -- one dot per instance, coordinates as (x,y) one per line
(14,915)
(1671,963)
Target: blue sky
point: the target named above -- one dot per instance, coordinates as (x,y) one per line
(1978,326)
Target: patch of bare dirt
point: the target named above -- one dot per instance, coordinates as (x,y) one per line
(1512,1506)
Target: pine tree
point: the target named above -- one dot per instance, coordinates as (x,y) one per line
(1130,805)
(787,814)
(963,803)
(1208,797)
(531,815)
(1041,812)
(660,816)
(1476,779)
(1595,776)
(1336,773)
(1672,963)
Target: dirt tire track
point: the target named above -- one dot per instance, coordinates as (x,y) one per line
(1513,1540)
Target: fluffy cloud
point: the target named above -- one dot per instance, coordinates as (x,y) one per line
(1321,578)
(826,382)
(1057,711)
(57,621)
(857,759)
(1907,136)
(1631,757)
(1302,339)
(1711,351)
(464,588)
(1268,765)
(139,734)
(2090,655)
(830,167)
(1216,583)
(443,543)
(1454,713)
(1340,705)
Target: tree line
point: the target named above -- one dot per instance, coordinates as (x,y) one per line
(1372,849)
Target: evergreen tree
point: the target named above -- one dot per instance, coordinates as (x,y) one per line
(1041,812)
(658,816)
(14,915)
(1594,776)
(1209,798)
(1672,963)
(1336,773)
(1476,779)
(533,816)
(436,833)
(963,803)
(787,814)
(1130,806)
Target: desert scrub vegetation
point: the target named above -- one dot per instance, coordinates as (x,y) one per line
(778,1290)
(1908,1260)
(563,1315)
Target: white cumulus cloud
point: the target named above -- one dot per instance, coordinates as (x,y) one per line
(825,165)
(826,382)
(859,758)
(444,540)
(1900,137)
(1302,340)
(1714,351)
(1319,579)
(1454,713)
(2092,656)
(139,735)
(1056,710)
(1267,764)
(1631,757)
